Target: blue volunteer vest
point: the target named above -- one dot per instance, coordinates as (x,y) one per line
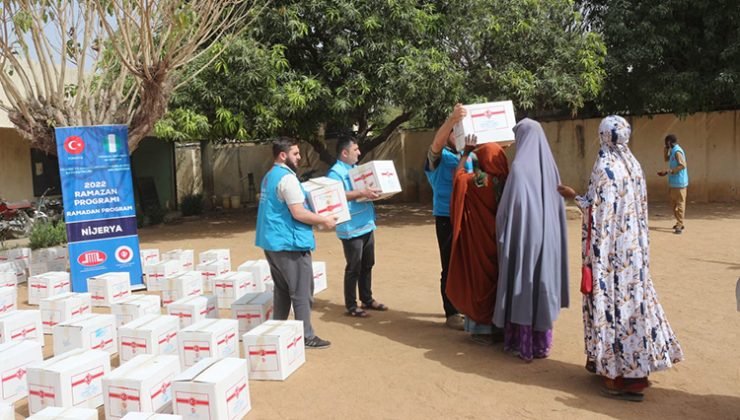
(362,213)
(680,179)
(441,180)
(277,230)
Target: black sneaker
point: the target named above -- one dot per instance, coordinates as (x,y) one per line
(316,343)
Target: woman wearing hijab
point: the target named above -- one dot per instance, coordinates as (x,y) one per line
(471,280)
(532,247)
(627,335)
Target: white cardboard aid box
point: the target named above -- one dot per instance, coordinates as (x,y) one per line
(156,273)
(377,174)
(71,379)
(222,254)
(21,258)
(135,306)
(21,325)
(8,299)
(212,269)
(8,274)
(188,283)
(252,310)
(261,275)
(185,257)
(15,358)
(319,277)
(48,259)
(149,256)
(47,285)
(150,334)
(91,331)
(65,413)
(231,286)
(208,338)
(7,411)
(150,416)
(144,383)
(64,307)
(109,288)
(274,350)
(213,389)
(490,122)
(327,198)
(192,309)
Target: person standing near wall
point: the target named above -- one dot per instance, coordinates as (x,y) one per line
(284,232)
(442,160)
(356,234)
(678,179)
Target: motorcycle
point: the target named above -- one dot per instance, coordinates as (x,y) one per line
(17,219)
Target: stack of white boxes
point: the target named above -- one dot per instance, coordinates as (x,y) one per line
(15,358)
(274,350)
(212,269)
(185,257)
(8,299)
(221,255)
(144,383)
(188,283)
(21,325)
(8,274)
(252,310)
(21,260)
(150,334)
(47,285)
(48,259)
(148,257)
(213,389)
(377,174)
(135,306)
(61,413)
(64,307)
(231,286)
(208,338)
(193,309)
(137,415)
(261,276)
(72,379)
(157,273)
(91,331)
(319,277)
(109,288)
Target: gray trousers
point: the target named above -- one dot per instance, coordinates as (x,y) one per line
(292,273)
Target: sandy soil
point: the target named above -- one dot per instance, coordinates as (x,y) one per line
(405,364)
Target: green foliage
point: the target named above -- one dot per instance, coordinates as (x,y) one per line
(155,214)
(192,204)
(376,64)
(47,234)
(669,56)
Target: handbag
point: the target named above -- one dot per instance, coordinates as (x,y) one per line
(587,278)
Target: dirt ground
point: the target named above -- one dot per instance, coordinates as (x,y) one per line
(404,364)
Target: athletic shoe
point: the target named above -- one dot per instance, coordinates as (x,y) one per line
(456,322)
(316,343)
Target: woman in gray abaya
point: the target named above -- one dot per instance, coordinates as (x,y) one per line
(532,247)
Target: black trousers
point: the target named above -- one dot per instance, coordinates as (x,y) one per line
(359,253)
(444,240)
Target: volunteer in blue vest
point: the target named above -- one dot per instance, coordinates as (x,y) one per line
(678,179)
(356,235)
(440,166)
(284,232)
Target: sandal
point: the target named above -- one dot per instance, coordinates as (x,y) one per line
(591,366)
(357,313)
(374,305)
(622,395)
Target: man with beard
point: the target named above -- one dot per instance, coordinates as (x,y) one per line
(442,160)
(284,232)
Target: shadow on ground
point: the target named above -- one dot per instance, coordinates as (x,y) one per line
(456,351)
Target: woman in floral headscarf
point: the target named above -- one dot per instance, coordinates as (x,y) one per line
(626,332)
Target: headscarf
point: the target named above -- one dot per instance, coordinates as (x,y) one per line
(532,236)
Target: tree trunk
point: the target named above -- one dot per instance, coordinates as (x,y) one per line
(320,148)
(368,145)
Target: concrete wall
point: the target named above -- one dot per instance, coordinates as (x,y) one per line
(15,167)
(711,142)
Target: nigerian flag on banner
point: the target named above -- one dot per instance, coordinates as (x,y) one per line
(113,144)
